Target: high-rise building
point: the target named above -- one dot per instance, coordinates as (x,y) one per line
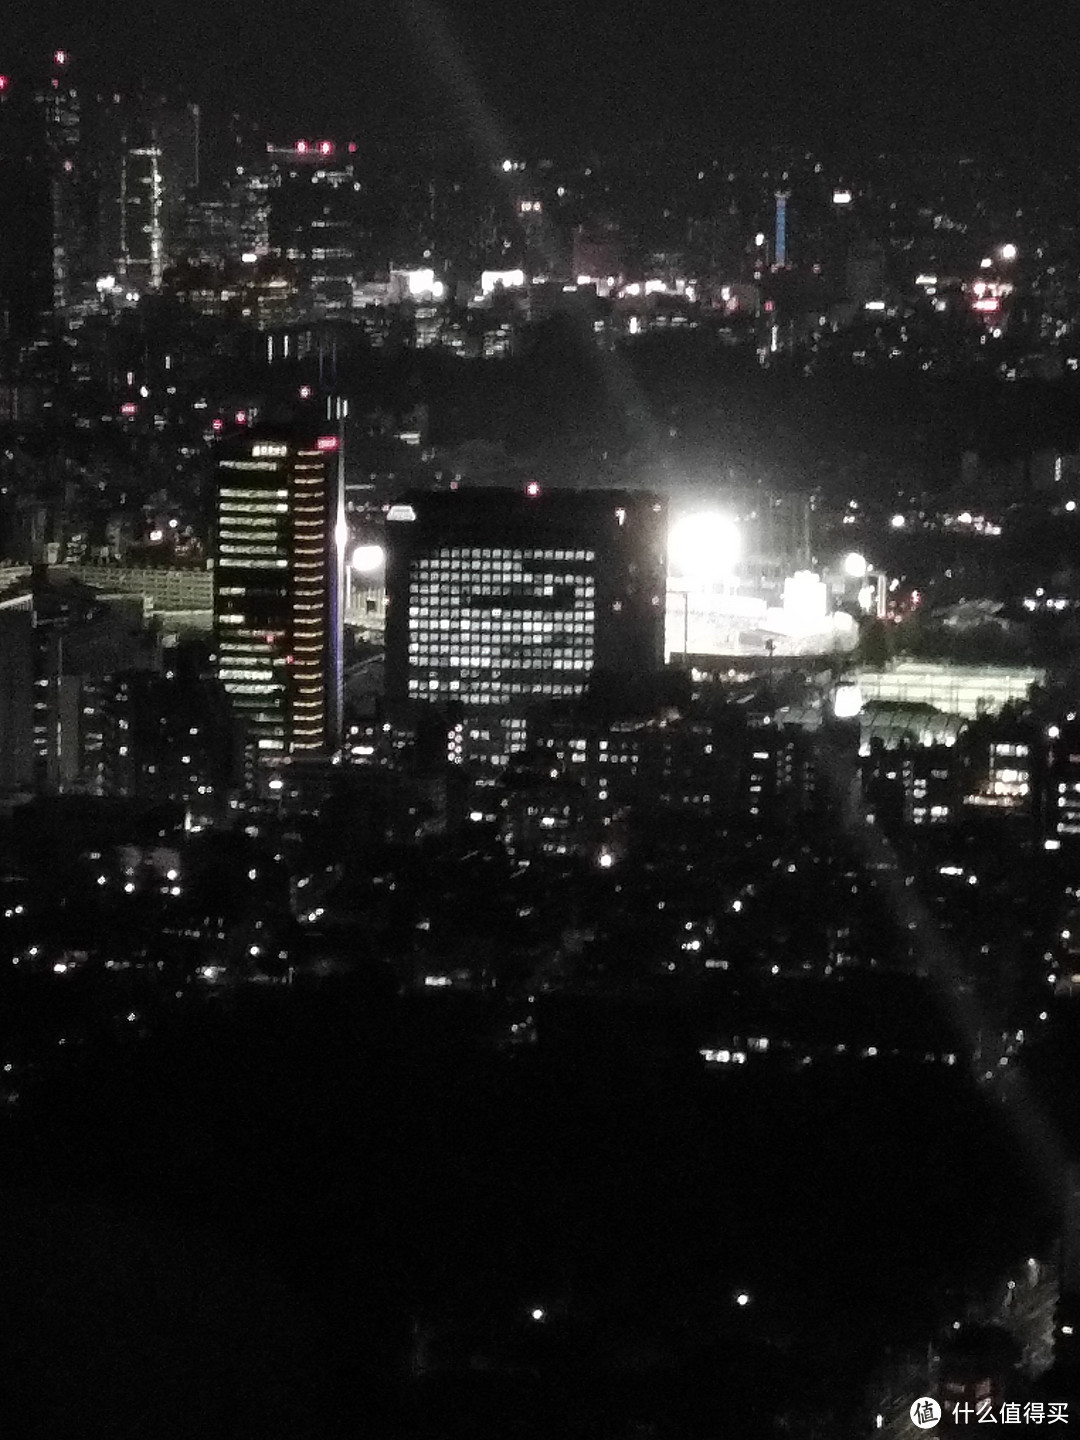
(278,584)
(147,159)
(316,221)
(227,221)
(42,234)
(62,112)
(510,598)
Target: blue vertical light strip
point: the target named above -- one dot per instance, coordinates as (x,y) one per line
(781,229)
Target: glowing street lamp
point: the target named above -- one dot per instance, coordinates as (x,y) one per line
(1008,252)
(856,566)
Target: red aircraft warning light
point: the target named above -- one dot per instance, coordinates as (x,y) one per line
(301,147)
(532,489)
(325,147)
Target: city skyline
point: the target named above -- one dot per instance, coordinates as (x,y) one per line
(539,742)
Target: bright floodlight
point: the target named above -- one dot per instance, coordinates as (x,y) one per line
(898,522)
(855,566)
(420,282)
(1008,252)
(704,547)
(847,701)
(366,559)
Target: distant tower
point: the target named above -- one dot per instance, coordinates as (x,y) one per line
(781,226)
(150,160)
(60,103)
(41,235)
(153,229)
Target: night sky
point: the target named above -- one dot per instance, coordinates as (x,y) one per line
(584,73)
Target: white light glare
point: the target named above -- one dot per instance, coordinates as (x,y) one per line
(705,547)
(898,522)
(847,701)
(856,566)
(366,559)
(421,282)
(1008,252)
(490,280)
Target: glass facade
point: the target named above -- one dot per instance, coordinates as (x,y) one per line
(488,626)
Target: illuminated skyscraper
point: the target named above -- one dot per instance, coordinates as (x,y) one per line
(278,581)
(510,598)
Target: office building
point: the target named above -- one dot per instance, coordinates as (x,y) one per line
(278,581)
(509,598)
